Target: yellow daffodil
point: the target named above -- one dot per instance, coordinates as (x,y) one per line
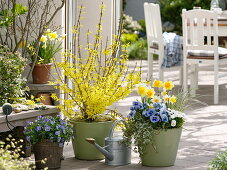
(173,99)
(157,83)
(166,98)
(168,85)
(53,35)
(142,90)
(164,93)
(156,99)
(43,38)
(150,93)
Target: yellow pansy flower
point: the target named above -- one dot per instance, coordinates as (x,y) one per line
(142,90)
(168,85)
(43,38)
(156,99)
(157,83)
(150,93)
(173,99)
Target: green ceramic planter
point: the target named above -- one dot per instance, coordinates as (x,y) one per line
(167,145)
(97,130)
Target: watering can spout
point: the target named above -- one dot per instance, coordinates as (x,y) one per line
(107,154)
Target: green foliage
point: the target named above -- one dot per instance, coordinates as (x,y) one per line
(8,15)
(219,162)
(138,49)
(129,38)
(10,156)
(171,10)
(143,25)
(47,127)
(12,86)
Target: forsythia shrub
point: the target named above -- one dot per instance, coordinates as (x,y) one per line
(99,78)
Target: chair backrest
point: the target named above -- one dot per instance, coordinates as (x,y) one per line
(200,30)
(153,24)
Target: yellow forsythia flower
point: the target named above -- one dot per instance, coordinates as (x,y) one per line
(43,38)
(157,83)
(142,90)
(173,99)
(150,93)
(168,85)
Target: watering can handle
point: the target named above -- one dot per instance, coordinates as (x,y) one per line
(113,126)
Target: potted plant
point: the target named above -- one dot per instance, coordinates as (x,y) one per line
(98,79)
(47,135)
(50,44)
(156,123)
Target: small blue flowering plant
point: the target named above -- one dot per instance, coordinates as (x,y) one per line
(158,109)
(51,128)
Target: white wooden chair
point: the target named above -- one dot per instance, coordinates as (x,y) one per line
(200,45)
(155,40)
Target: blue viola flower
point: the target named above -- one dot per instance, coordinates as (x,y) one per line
(57,133)
(135,103)
(151,112)
(61,145)
(144,112)
(140,106)
(157,106)
(163,110)
(47,128)
(59,139)
(51,138)
(28,138)
(38,128)
(132,108)
(164,118)
(132,114)
(154,119)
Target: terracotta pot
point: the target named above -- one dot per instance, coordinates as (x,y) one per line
(47,98)
(41,73)
(49,150)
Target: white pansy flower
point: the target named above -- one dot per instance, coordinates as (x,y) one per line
(173,123)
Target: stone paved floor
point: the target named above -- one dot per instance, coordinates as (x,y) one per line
(203,135)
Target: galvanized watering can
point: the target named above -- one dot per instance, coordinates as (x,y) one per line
(116,152)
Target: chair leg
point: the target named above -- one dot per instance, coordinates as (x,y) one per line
(194,79)
(216,85)
(150,66)
(181,76)
(185,77)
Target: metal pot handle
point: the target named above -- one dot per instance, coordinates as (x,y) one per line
(113,126)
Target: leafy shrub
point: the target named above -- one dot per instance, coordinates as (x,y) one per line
(138,49)
(12,86)
(130,25)
(129,38)
(171,10)
(219,162)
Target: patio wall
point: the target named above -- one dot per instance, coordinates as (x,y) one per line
(134,8)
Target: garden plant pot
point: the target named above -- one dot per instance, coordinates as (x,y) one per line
(82,130)
(49,150)
(41,73)
(166,142)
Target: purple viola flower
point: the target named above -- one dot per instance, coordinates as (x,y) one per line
(28,138)
(132,114)
(47,128)
(58,139)
(57,133)
(135,103)
(164,118)
(39,117)
(154,119)
(51,122)
(62,140)
(51,138)
(38,128)
(58,127)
